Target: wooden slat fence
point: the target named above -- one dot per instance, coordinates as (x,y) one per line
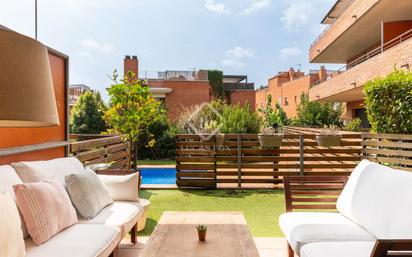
(241,162)
(102,150)
(389,149)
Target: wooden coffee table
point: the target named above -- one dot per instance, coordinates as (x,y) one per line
(176,236)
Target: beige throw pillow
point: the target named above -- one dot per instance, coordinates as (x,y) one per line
(122,188)
(88,194)
(11,236)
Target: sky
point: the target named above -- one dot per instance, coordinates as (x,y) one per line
(253,37)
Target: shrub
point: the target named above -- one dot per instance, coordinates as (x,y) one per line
(230,119)
(317,114)
(240,120)
(273,117)
(354,125)
(389,103)
(87,114)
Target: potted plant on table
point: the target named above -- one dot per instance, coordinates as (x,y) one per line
(201,232)
(329,137)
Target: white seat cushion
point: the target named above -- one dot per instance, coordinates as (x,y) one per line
(78,240)
(123,215)
(379,201)
(301,228)
(338,249)
(36,171)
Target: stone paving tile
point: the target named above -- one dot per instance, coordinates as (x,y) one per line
(267,247)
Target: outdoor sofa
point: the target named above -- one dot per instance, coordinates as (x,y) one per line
(97,237)
(374,215)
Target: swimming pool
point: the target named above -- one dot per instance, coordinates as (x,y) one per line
(158,176)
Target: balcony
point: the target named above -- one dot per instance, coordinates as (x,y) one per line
(356,29)
(346,84)
(238,86)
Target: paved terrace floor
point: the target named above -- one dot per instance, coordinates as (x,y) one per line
(267,247)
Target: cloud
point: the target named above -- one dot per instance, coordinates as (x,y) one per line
(301,13)
(256,5)
(92,44)
(235,56)
(290,51)
(216,7)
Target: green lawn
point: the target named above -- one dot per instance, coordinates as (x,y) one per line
(260,207)
(156,162)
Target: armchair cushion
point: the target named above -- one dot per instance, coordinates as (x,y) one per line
(11,235)
(123,215)
(301,228)
(36,171)
(78,240)
(380,201)
(122,188)
(338,249)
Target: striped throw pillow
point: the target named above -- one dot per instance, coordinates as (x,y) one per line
(88,193)
(46,209)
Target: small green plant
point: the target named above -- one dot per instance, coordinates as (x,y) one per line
(201,227)
(273,117)
(389,103)
(353,125)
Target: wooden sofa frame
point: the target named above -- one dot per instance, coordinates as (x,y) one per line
(321,193)
(123,172)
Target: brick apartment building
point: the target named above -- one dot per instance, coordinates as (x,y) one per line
(286,87)
(180,89)
(75,91)
(370,37)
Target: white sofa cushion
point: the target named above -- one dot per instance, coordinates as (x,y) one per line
(11,235)
(78,240)
(122,188)
(123,215)
(381,202)
(36,171)
(301,228)
(338,249)
(344,202)
(9,178)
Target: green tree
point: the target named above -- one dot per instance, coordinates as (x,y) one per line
(87,114)
(389,103)
(216,82)
(318,114)
(273,117)
(132,109)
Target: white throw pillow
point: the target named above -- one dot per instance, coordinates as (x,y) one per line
(11,235)
(122,188)
(36,171)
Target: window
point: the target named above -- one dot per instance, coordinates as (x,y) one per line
(296,99)
(286,101)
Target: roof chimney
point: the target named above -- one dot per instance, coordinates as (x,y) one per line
(131,65)
(291,73)
(322,72)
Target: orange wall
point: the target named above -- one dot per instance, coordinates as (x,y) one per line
(292,91)
(394,29)
(14,137)
(243,97)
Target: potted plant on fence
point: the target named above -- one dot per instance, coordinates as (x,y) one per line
(329,137)
(269,137)
(201,232)
(212,127)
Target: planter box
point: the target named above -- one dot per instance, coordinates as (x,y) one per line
(329,140)
(220,139)
(267,141)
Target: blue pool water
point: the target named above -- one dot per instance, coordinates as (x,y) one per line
(158,175)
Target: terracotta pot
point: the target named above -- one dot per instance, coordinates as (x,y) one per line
(202,235)
(220,139)
(329,140)
(268,141)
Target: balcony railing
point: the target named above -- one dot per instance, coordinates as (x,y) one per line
(174,75)
(367,56)
(239,86)
(344,8)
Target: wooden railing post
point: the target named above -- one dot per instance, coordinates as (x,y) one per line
(239,162)
(301,155)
